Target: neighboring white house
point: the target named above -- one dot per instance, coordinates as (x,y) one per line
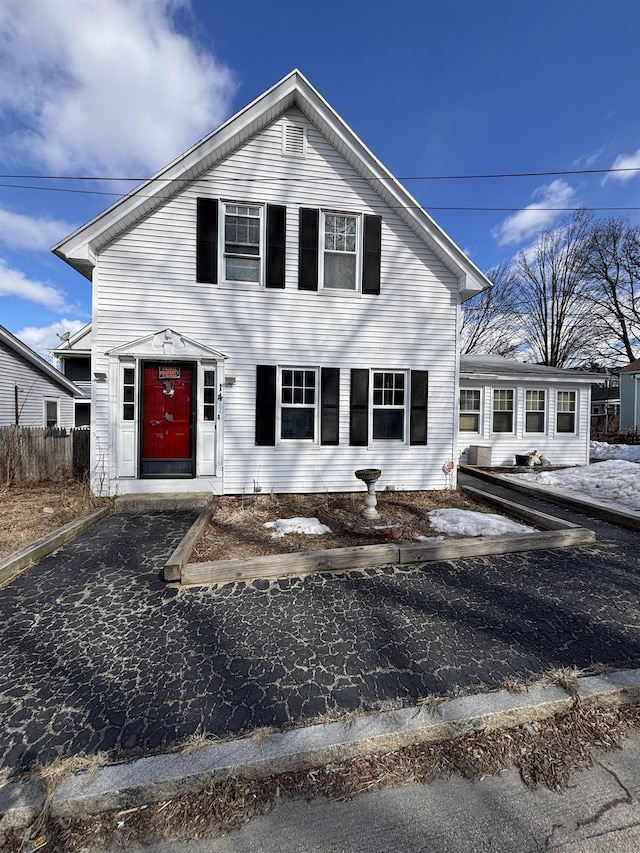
(73,358)
(509,408)
(272,311)
(32,392)
(630,396)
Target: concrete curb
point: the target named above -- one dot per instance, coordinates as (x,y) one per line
(161,777)
(606,510)
(15,563)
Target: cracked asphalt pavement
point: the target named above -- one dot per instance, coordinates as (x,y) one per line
(100,654)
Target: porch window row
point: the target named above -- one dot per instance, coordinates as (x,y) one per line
(503,408)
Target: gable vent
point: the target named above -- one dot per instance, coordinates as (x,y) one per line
(294,140)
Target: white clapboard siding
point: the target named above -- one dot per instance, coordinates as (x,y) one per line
(34,387)
(146,282)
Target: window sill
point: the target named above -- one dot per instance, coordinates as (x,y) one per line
(241,285)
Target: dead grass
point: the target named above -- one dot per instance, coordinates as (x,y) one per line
(29,511)
(546,754)
(237,527)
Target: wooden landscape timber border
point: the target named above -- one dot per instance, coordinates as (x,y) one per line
(12,565)
(553,533)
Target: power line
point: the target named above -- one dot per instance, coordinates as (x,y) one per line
(287,178)
(393,207)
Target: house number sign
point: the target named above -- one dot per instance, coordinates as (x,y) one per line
(168,372)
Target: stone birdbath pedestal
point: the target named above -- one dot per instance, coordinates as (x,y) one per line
(369,476)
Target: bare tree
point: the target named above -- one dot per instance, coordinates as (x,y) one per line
(557,323)
(613,268)
(488,325)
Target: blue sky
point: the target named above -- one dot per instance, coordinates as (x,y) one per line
(118,88)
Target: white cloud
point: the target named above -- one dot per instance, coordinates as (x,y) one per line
(30,232)
(537,216)
(105,86)
(45,338)
(624,161)
(14,282)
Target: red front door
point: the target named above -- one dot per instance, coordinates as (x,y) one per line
(167,427)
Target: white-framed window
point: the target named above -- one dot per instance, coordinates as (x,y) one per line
(298,404)
(566,411)
(469,420)
(51,412)
(388,405)
(340,240)
(535,411)
(503,410)
(242,242)
(128,378)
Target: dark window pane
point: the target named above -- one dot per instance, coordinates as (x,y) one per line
(309,378)
(297,395)
(209,395)
(377,398)
(128,393)
(128,374)
(127,412)
(378,379)
(309,396)
(287,377)
(566,422)
(503,422)
(287,395)
(388,424)
(297,377)
(297,423)
(77,369)
(535,422)
(209,413)
(209,377)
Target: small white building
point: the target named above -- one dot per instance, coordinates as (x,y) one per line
(32,392)
(272,311)
(509,408)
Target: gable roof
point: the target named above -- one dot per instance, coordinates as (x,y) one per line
(634,367)
(38,362)
(82,337)
(496,367)
(80,248)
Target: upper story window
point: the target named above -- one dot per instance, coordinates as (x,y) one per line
(77,369)
(469,410)
(503,410)
(340,240)
(566,411)
(298,404)
(388,405)
(242,248)
(534,417)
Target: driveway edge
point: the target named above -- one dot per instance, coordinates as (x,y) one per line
(157,778)
(22,559)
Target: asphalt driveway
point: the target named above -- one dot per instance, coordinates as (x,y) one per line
(98,653)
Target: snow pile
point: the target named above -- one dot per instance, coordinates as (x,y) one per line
(463,522)
(601,450)
(310,526)
(614,480)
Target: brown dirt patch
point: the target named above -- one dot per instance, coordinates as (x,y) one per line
(237,526)
(29,511)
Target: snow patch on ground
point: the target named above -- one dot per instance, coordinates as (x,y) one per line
(309,526)
(463,522)
(601,450)
(616,480)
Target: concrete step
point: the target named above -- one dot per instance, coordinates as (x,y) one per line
(160,501)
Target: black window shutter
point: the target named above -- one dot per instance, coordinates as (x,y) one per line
(308,249)
(359,411)
(265,404)
(276,237)
(330,405)
(207,240)
(372,250)
(419,404)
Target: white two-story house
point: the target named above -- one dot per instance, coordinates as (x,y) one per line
(272,311)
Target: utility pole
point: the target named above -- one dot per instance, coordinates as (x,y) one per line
(15,401)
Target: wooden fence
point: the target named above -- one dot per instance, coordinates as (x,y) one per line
(32,453)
